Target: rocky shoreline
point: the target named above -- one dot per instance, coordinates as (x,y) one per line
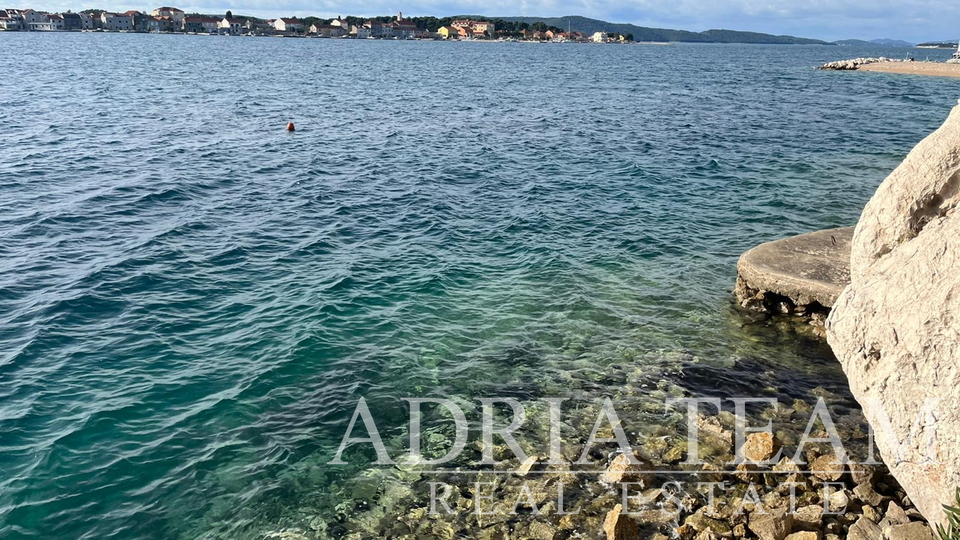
(657,498)
(853,64)
(889,65)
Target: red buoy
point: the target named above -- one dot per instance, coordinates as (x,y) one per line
(291,127)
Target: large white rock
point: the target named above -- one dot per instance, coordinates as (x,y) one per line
(924,187)
(896,327)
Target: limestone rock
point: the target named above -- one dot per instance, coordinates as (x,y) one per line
(839,501)
(621,470)
(909,531)
(871,513)
(710,426)
(699,521)
(827,468)
(864,529)
(526,466)
(542,531)
(808,518)
(620,527)
(866,494)
(771,525)
(804,535)
(862,474)
(923,189)
(760,446)
(851,65)
(894,516)
(896,328)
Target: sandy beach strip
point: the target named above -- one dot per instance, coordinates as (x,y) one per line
(935,69)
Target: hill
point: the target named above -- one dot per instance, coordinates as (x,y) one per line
(892,42)
(873,43)
(642,33)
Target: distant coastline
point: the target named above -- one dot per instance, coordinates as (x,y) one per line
(472,28)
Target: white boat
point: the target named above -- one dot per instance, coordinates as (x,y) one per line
(955,59)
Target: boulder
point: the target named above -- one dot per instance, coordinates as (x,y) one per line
(896,327)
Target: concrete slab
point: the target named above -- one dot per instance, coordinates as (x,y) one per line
(810,270)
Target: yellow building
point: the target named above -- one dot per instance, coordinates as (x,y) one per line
(449,32)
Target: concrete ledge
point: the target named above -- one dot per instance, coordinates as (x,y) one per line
(802,274)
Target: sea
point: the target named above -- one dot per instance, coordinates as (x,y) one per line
(193,300)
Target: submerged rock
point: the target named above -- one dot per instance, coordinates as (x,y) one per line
(621,470)
(896,328)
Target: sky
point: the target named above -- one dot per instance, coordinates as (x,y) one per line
(909,20)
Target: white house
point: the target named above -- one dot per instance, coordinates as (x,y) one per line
(35,20)
(231,26)
(599,37)
(362,32)
(11,19)
(288,25)
(116,21)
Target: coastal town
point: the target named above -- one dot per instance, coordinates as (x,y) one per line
(173,20)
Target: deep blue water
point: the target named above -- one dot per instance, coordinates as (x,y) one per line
(193,300)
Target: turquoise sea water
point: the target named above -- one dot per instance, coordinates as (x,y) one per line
(193,300)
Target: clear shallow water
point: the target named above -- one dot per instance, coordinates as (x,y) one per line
(193,300)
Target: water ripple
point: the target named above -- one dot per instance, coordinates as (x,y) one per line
(192,299)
